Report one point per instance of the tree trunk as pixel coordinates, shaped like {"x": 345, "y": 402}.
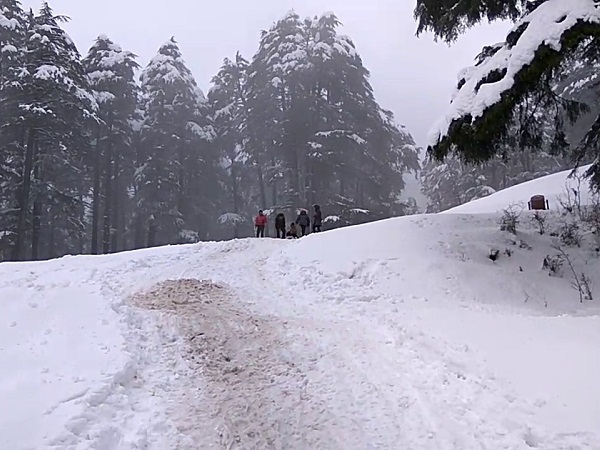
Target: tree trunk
{"x": 37, "y": 217}
{"x": 138, "y": 240}
{"x": 261, "y": 185}
{"x": 151, "y": 233}
{"x": 107, "y": 199}
{"x": 23, "y": 198}
{"x": 234, "y": 182}
{"x": 273, "y": 183}
{"x": 52, "y": 241}
{"x": 115, "y": 231}
{"x": 81, "y": 237}
{"x": 181, "y": 194}
{"x": 96, "y": 199}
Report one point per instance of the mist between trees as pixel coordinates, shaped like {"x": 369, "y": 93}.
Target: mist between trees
{"x": 94, "y": 159}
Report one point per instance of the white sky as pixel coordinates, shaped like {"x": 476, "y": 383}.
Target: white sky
{"x": 414, "y": 77}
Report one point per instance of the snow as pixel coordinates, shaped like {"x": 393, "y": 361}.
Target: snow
{"x": 48, "y": 72}
{"x": 9, "y": 49}
{"x": 230, "y": 219}
{"x": 332, "y": 219}
{"x": 395, "y": 334}
{"x": 9, "y": 24}
{"x": 544, "y": 26}
{"x": 554, "y": 187}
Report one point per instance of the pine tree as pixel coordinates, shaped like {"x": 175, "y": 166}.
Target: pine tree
{"x": 177, "y": 177}
{"x": 111, "y": 73}
{"x": 319, "y": 129}
{"x": 228, "y": 104}
{"x": 276, "y": 119}
{"x": 13, "y": 28}
{"x": 509, "y": 77}
{"x": 58, "y": 105}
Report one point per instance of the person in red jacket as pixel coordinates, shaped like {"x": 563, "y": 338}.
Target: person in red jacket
{"x": 260, "y": 223}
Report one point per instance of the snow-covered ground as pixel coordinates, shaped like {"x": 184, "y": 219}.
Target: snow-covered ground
{"x": 400, "y": 334}
{"x": 556, "y": 188}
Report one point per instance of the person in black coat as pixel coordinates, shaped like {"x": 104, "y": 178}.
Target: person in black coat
{"x": 317, "y": 219}
{"x": 303, "y": 221}
{"x": 293, "y": 232}
{"x": 280, "y": 225}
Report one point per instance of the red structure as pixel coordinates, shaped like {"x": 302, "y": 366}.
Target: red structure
{"x": 538, "y": 202}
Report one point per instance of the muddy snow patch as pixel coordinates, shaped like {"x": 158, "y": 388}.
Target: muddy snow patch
{"x": 235, "y": 385}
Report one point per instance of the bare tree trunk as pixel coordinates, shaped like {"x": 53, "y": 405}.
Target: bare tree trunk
{"x": 234, "y": 182}
{"x": 107, "y": 199}
{"x": 96, "y": 199}
{"x": 151, "y": 233}
{"x": 37, "y": 217}
{"x": 138, "y": 240}
{"x": 115, "y": 231}
{"x": 52, "y": 241}
{"x": 23, "y": 198}
{"x": 261, "y": 182}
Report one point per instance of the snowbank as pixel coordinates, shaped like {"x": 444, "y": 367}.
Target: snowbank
{"x": 61, "y": 347}
{"x": 553, "y": 187}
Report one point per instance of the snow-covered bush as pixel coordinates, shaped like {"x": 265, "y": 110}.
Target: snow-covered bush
{"x": 510, "y": 219}
{"x": 230, "y": 219}
{"x": 584, "y": 286}
{"x": 570, "y": 234}
{"x": 591, "y": 214}
{"x": 188, "y": 237}
{"x": 580, "y": 282}
{"x": 553, "y": 264}
{"x": 540, "y": 219}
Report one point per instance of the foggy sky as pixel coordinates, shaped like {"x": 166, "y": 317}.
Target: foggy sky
{"x": 413, "y": 77}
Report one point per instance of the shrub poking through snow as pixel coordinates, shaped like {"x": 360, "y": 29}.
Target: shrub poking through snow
{"x": 524, "y": 245}
{"x": 553, "y": 264}
{"x": 494, "y": 253}
{"x": 541, "y": 221}
{"x": 570, "y": 200}
{"x": 591, "y": 214}
{"x": 510, "y": 219}
{"x": 585, "y": 287}
{"x": 581, "y": 283}
{"x": 569, "y": 234}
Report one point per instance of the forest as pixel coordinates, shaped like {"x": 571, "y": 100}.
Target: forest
{"x": 99, "y": 155}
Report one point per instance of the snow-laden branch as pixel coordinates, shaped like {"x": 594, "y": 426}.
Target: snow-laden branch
{"x": 483, "y": 85}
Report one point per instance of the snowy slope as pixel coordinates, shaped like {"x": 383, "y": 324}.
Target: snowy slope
{"x": 396, "y": 334}
{"x": 553, "y": 187}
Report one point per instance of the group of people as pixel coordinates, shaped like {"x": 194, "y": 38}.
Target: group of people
{"x": 302, "y": 221}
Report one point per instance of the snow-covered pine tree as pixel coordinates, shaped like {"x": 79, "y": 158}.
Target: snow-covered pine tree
{"x": 55, "y": 112}
{"x": 354, "y": 139}
{"x": 111, "y": 72}
{"x": 13, "y": 27}
{"x": 176, "y": 181}
{"x": 490, "y": 95}
{"x": 318, "y": 127}
{"x": 227, "y": 100}
{"x": 276, "y": 118}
